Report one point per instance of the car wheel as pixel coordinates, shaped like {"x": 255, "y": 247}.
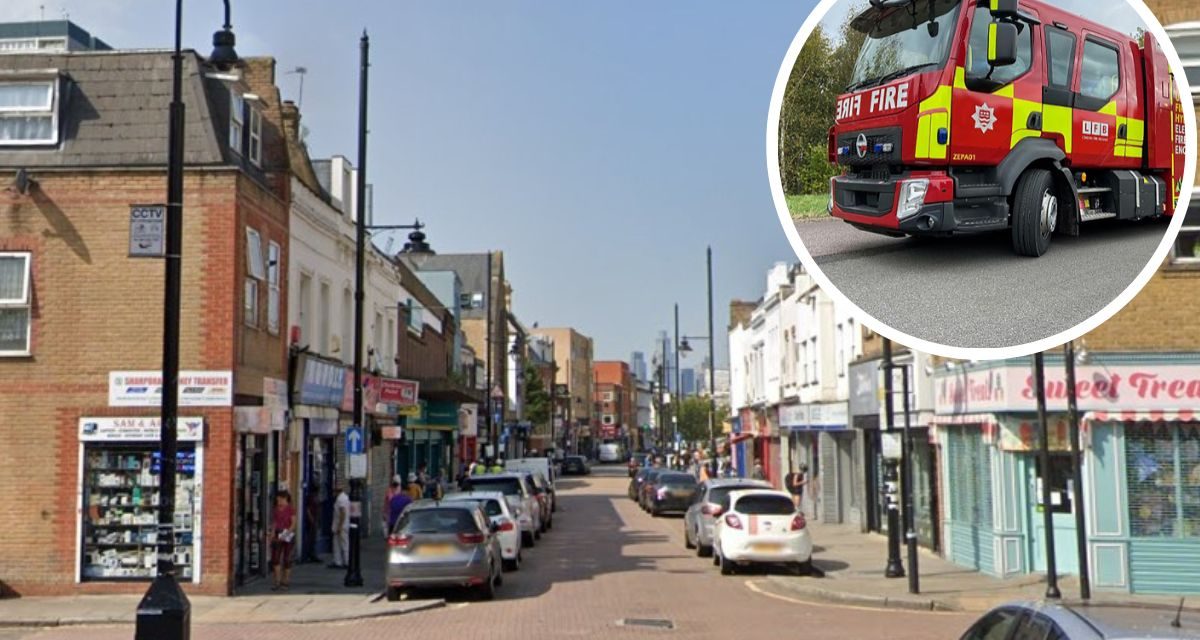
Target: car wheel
{"x": 499, "y": 579}
{"x": 550, "y": 522}
{"x": 687, "y": 537}
{"x": 653, "y": 512}
{"x": 802, "y": 568}
{"x": 487, "y": 590}
{"x": 394, "y": 594}
{"x": 726, "y": 566}
{"x": 527, "y": 539}
{"x": 511, "y": 564}
{"x": 703, "y": 551}
{"x": 537, "y": 535}
{"x": 716, "y": 557}
{"x": 1035, "y": 213}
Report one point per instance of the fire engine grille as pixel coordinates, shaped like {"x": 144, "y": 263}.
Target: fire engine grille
{"x": 877, "y": 140}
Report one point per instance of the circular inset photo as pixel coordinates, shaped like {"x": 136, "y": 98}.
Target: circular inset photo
{"x": 982, "y": 179}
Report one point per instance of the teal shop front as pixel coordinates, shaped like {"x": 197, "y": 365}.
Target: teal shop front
{"x": 429, "y": 439}
{"x": 1141, "y": 470}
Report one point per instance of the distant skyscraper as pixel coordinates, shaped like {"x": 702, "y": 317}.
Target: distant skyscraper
{"x": 664, "y": 342}
{"x": 687, "y": 378}
{"x": 637, "y": 365}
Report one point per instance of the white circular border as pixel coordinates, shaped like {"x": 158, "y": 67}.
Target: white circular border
{"x": 989, "y": 353}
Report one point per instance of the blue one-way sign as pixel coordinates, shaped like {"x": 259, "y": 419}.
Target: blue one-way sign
{"x": 354, "y": 439}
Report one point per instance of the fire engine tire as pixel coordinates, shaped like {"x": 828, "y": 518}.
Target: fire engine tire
{"x": 1035, "y": 212}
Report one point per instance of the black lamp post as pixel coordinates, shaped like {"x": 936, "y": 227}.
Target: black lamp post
{"x": 164, "y": 613}
{"x": 1085, "y": 586}
{"x": 1039, "y": 380}
{"x": 684, "y": 347}
{"x": 891, "y": 471}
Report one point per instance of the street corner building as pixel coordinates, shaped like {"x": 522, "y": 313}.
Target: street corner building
{"x": 83, "y": 167}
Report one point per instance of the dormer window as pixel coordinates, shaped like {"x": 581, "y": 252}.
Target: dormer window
{"x": 255, "y": 149}
{"x": 237, "y": 122}
{"x": 28, "y": 113}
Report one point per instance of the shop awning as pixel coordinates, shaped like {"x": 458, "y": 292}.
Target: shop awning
{"x": 450, "y": 391}
{"x": 1182, "y": 415}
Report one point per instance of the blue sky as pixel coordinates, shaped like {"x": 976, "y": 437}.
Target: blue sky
{"x": 600, "y": 145}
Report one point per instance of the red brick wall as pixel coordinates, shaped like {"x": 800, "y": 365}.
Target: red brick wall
{"x": 97, "y": 310}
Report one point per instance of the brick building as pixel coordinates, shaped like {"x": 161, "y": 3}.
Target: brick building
{"x": 573, "y": 376}
{"x": 80, "y": 343}
{"x": 615, "y": 398}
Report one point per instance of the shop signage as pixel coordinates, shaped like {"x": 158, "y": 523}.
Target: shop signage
{"x": 251, "y": 420}
{"x": 468, "y": 423}
{"x": 321, "y": 382}
{"x": 137, "y": 429}
{"x": 392, "y": 433}
{"x": 816, "y": 417}
{"x": 864, "y": 388}
{"x": 1023, "y": 433}
{"x": 411, "y": 411}
{"x": 398, "y": 392}
{"x": 1098, "y": 388}
{"x": 144, "y": 388}
{"x": 322, "y": 427}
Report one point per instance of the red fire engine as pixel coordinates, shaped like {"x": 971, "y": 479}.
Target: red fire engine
{"x": 968, "y": 115}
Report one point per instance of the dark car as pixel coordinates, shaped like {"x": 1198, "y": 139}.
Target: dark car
{"x": 575, "y": 466}
{"x": 647, "y": 486}
{"x": 1053, "y": 621}
{"x": 671, "y": 491}
{"x": 637, "y": 461}
{"x": 636, "y": 482}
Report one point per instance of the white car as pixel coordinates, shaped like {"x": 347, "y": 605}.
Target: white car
{"x": 499, "y": 513}
{"x": 761, "y": 526}
{"x": 610, "y": 452}
{"x": 520, "y": 498}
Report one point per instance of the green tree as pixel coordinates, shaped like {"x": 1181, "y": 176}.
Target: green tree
{"x": 693, "y": 419}
{"x": 537, "y": 398}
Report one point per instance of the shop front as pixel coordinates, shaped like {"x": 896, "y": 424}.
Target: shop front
{"x": 1141, "y": 470}
{"x": 864, "y": 415}
{"x": 429, "y": 440}
{"x": 119, "y": 479}
{"x": 317, "y": 388}
{"x": 820, "y": 438}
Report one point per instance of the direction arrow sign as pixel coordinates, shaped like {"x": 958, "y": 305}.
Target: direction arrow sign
{"x": 497, "y": 392}
{"x": 354, "y": 440}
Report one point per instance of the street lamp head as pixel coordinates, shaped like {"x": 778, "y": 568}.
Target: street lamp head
{"x": 224, "y": 57}
{"x": 684, "y": 347}
{"x": 416, "y": 243}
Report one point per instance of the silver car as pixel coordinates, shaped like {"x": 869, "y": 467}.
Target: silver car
{"x": 1053, "y": 621}
{"x": 444, "y": 544}
{"x": 710, "y": 498}
{"x": 519, "y": 493}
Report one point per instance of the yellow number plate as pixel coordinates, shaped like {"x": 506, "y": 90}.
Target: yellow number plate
{"x": 434, "y": 550}
{"x": 766, "y": 546}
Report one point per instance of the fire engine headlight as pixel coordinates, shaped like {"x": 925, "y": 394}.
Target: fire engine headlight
{"x": 912, "y": 197}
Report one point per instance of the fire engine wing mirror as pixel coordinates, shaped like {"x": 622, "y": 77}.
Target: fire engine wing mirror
{"x": 1003, "y": 9}
{"x": 1002, "y": 44}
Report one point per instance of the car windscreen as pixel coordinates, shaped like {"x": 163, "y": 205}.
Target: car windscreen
{"x": 507, "y": 486}
{"x": 436, "y": 521}
{"x": 490, "y": 506}
{"x": 677, "y": 480}
{"x": 765, "y": 505}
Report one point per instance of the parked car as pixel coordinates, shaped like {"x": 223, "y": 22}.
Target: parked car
{"x": 648, "y": 487}
{"x": 671, "y": 491}
{"x": 444, "y": 544}
{"x": 545, "y": 465}
{"x": 1054, "y": 621}
{"x": 761, "y": 526}
{"x": 710, "y": 500}
{"x": 637, "y": 461}
{"x": 508, "y": 530}
{"x": 521, "y": 498}
{"x": 640, "y": 482}
{"x": 635, "y": 482}
{"x": 544, "y": 492}
{"x": 575, "y": 466}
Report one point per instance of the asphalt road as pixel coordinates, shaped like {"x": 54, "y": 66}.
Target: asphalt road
{"x": 973, "y": 291}
{"x": 604, "y": 561}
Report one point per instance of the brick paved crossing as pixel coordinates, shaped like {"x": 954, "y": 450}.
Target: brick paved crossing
{"x": 604, "y": 561}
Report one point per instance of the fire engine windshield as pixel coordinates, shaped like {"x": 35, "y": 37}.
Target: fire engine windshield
{"x": 903, "y": 39}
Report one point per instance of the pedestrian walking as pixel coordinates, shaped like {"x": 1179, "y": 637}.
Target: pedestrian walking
{"x": 794, "y": 483}
{"x": 283, "y": 520}
{"x": 394, "y": 487}
{"x": 759, "y": 473}
{"x": 396, "y": 504}
{"x": 341, "y": 529}
{"x": 312, "y": 515}
{"x": 414, "y": 489}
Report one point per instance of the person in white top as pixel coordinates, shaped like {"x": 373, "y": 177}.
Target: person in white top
{"x": 341, "y": 529}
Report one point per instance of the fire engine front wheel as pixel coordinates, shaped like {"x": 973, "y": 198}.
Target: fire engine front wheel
{"x": 1035, "y": 213}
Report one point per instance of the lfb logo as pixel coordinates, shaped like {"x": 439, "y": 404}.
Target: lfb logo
{"x": 985, "y": 118}
{"x": 1098, "y": 129}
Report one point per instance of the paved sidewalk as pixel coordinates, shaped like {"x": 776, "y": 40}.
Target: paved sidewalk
{"x": 317, "y": 594}
{"x": 853, "y": 563}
